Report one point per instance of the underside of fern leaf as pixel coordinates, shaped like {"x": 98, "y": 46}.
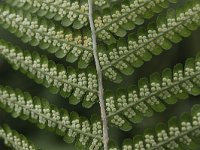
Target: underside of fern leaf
{"x": 118, "y": 58}
{"x": 153, "y": 94}
{"x": 15, "y": 140}
{"x": 97, "y": 43}
{"x": 69, "y": 82}
{"x": 39, "y": 111}
{"x": 124, "y": 56}
{"x": 67, "y": 43}
{"x": 122, "y": 16}
{"x": 69, "y": 13}
{"x": 180, "y": 133}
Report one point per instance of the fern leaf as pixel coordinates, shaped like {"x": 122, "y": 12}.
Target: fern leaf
{"x": 117, "y": 20}
{"x": 73, "y": 13}
{"x": 39, "y": 111}
{"x": 15, "y": 140}
{"x": 71, "y": 44}
{"x": 70, "y": 83}
{"x": 123, "y": 16}
{"x": 124, "y": 57}
{"x": 182, "y": 133}
{"x": 152, "y": 94}
{"x": 70, "y": 13}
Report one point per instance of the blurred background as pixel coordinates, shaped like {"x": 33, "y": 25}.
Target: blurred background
{"x": 50, "y": 141}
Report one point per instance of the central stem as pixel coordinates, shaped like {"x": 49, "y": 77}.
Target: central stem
{"x": 100, "y": 80}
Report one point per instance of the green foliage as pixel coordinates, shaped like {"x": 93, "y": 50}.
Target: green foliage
{"x": 73, "y": 13}
{"x": 152, "y": 40}
{"x": 61, "y": 27}
{"x": 153, "y": 94}
{"x": 69, "y": 82}
{"x": 179, "y": 133}
{"x": 72, "y": 44}
{"x": 15, "y": 140}
{"x": 122, "y": 57}
{"x": 123, "y": 16}
{"x": 69, "y": 125}
{"x": 69, "y": 13}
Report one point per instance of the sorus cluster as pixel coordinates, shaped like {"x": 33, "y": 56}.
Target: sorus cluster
{"x": 59, "y": 9}
{"x": 140, "y": 49}
{"x": 117, "y": 21}
{"x": 14, "y": 139}
{"x": 81, "y": 85}
{"x": 45, "y": 34}
{"x": 148, "y": 96}
{"x": 178, "y": 135}
{"x": 46, "y": 115}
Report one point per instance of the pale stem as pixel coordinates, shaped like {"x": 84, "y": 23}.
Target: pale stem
{"x": 100, "y": 81}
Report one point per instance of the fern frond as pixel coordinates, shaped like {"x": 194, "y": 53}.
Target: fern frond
{"x": 73, "y": 13}
{"x": 183, "y": 133}
{"x": 117, "y": 20}
{"x": 15, "y": 140}
{"x": 39, "y": 111}
{"x": 70, "y": 13}
{"x": 124, "y": 57}
{"x": 72, "y": 44}
{"x": 70, "y": 83}
{"x": 133, "y": 104}
{"x": 123, "y": 16}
